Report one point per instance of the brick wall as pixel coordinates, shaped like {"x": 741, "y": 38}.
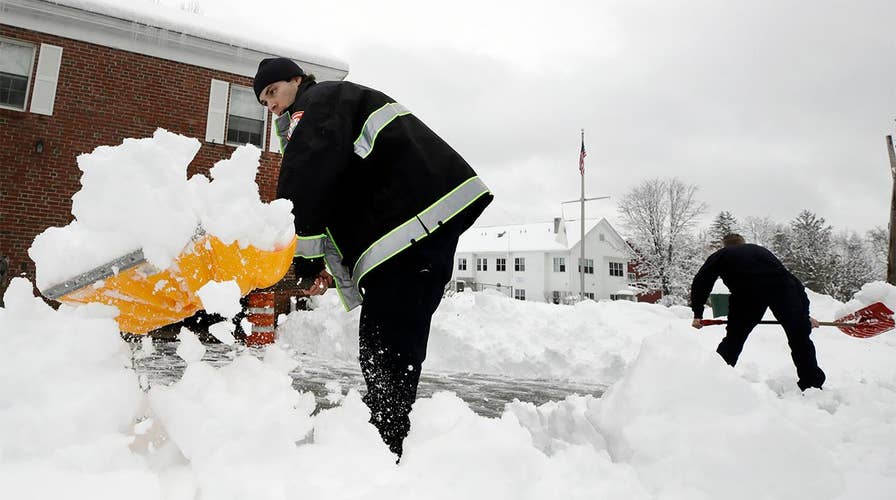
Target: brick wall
{"x": 103, "y": 96}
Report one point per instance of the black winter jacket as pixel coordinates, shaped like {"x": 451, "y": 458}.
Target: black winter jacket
{"x": 745, "y": 269}
{"x": 355, "y": 193}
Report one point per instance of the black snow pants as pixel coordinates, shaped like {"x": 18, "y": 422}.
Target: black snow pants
{"x": 789, "y": 304}
{"x": 400, "y": 297}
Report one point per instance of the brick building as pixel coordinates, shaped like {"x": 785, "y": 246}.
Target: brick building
{"x": 76, "y": 74}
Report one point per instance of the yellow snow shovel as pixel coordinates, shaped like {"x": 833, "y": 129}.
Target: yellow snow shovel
{"x": 149, "y": 298}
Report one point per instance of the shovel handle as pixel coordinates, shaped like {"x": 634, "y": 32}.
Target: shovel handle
{"x": 867, "y": 322}
{"x": 709, "y": 322}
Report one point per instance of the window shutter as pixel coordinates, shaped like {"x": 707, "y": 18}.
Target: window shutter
{"x": 44, "y": 95}
{"x": 274, "y": 143}
{"x": 217, "y": 112}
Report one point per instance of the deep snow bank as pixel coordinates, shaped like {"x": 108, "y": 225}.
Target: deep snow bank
{"x": 676, "y": 423}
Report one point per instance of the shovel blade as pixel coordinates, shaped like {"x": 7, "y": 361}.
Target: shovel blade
{"x": 868, "y": 321}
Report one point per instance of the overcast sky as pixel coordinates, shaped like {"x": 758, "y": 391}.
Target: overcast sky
{"x": 769, "y": 106}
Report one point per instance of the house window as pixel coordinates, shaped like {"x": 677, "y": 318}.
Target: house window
{"x": 616, "y": 269}
{"x": 559, "y": 264}
{"x": 461, "y": 264}
{"x": 245, "y": 118}
{"x": 519, "y": 264}
{"x": 589, "y": 295}
{"x": 589, "y": 266}
{"x": 482, "y": 264}
{"x": 602, "y": 237}
{"x": 632, "y": 277}
{"x": 555, "y": 297}
{"x": 15, "y": 72}
{"x": 500, "y": 264}
{"x": 519, "y": 294}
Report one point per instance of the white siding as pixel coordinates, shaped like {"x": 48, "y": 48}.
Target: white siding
{"x": 539, "y": 279}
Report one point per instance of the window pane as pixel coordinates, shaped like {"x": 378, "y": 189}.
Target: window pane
{"x": 15, "y": 59}
{"x": 244, "y": 130}
{"x": 243, "y": 103}
{"x": 12, "y": 90}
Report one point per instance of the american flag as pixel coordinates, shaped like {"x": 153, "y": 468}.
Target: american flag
{"x": 582, "y": 155}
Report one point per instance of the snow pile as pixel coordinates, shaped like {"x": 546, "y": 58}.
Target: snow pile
{"x": 137, "y": 196}
{"x": 870, "y": 293}
{"x": 675, "y": 423}
{"x": 652, "y": 421}
{"x": 221, "y": 297}
{"x": 67, "y": 402}
{"x": 234, "y": 423}
{"x": 591, "y": 341}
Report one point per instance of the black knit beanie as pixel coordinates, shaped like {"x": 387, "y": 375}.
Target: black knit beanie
{"x": 274, "y": 69}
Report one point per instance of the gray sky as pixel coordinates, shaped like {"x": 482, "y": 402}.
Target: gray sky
{"x": 770, "y": 106}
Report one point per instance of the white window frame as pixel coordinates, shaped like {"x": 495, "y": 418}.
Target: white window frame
{"x": 519, "y": 294}
{"x": 619, "y": 271}
{"x": 501, "y": 264}
{"x": 33, "y": 47}
{"x": 482, "y": 264}
{"x": 589, "y": 266}
{"x": 559, "y": 264}
{"x": 461, "y": 264}
{"x": 265, "y": 124}
{"x": 519, "y": 265}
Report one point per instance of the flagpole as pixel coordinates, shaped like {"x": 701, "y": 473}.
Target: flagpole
{"x": 582, "y": 227}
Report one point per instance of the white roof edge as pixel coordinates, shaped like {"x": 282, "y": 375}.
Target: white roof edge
{"x": 140, "y": 32}
{"x": 616, "y": 233}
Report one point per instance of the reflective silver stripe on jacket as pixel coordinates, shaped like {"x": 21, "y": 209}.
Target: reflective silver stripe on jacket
{"x": 419, "y": 227}
{"x": 376, "y": 122}
{"x": 346, "y": 289}
{"x": 310, "y": 247}
{"x": 282, "y": 127}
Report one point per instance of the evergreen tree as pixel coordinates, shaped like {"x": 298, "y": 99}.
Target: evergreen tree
{"x": 807, "y": 250}
{"x": 723, "y": 225}
{"x": 761, "y": 231}
{"x": 854, "y": 266}
{"x": 878, "y": 240}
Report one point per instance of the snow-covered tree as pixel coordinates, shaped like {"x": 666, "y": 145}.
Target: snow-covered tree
{"x": 761, "y": 230}
{"x": 191, "y": 6}
{"x": 660, "y": 215}
{"x": 878, "y": 248}
{"x": 807, "y": 250}
{"x": 723, "y": 225}
{"x": 854, "y": 266}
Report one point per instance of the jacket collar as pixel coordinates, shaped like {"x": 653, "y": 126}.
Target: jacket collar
{"x": 302, "y": 88}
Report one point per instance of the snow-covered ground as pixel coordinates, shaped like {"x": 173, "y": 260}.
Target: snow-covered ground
{"x": 675, "y": 422}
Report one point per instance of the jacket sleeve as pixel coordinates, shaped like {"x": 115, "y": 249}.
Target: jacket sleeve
{"x": 315, "y": 159}
{"x": 703, "y": 282}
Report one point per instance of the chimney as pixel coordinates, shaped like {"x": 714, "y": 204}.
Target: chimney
{"x": 556, "y": 224}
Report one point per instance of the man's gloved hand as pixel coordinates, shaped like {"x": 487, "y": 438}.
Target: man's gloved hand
{"x": 306, "y": 269}
{"x": 696, "y": 323}
{"x": 321, "y": 283}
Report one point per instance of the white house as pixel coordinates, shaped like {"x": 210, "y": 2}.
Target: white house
{"x": 539, "y": 262}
